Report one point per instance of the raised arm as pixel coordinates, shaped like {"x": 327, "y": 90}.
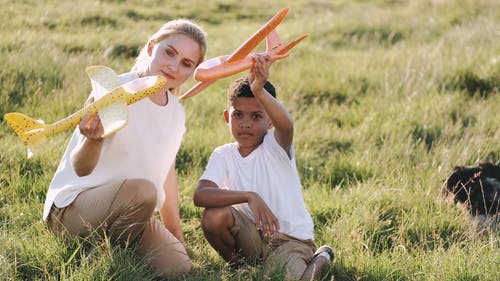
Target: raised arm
{"x": 279, "y": 115}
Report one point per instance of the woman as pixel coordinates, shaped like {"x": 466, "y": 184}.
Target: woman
{"x": 114, "y": 185}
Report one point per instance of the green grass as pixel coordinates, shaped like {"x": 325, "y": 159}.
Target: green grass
{"x": 387, "y": 96}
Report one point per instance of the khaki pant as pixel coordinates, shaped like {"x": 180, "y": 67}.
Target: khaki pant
{"x": 281, "y": 251}
{"x": 124, "y": 212}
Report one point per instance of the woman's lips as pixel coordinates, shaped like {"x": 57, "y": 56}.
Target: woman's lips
{"x": 168, "y": 75}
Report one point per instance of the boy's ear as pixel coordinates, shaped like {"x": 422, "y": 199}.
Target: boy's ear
{"x": 226, "y": 116}
{"x": 151, "y": 45}
{"x": 270, "y": 125}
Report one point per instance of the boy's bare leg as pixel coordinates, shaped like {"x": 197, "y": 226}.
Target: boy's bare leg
{"x": 216, "y": 224}
{"x": 315, "y": 268}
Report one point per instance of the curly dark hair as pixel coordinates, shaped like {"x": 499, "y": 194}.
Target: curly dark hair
{"x": 241, "y": 88}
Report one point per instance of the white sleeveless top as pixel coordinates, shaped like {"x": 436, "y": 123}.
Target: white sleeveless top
{"x": 145, "y": 148}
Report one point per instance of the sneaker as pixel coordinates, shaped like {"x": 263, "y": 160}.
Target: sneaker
{"x": 325, "y": 249}
{"x": 235, "y": 265}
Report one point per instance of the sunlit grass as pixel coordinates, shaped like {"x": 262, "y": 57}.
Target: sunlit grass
{"x": 387, "y": 97}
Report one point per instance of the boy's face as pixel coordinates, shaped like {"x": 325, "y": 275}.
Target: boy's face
{"x": 248, "y": 123}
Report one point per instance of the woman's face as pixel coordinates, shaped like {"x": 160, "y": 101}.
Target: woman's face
{"x": 174, "y": 57}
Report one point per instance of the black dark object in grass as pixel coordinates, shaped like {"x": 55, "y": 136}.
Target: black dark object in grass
{"x": 477, "y": 187}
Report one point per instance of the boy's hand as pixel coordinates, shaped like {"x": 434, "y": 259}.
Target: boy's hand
{"x": 259, "y": 72}
{"x": 265, "y": 220}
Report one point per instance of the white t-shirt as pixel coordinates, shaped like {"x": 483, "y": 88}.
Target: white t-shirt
{"x": 269, "y": 172}
{"x": 145, "y": 148}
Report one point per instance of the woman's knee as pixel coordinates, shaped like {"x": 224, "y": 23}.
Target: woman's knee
{"x": 163, "y": 251}
{"x": 133, "y": 205}
{"x": 171, "y": 263}
{"x": 140, "y": 191}
{"x": 180, "y": 268}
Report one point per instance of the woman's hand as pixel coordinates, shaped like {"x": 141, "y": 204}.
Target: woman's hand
{"x": 91, "y": 125}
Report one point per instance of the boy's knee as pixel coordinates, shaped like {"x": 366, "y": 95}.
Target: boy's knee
{"x": 214, "y": 219}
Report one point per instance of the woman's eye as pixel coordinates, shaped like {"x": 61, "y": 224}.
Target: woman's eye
{"x": 188, "y": 64}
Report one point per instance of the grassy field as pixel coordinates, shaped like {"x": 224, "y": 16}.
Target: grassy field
{"x": 387, "y": 95}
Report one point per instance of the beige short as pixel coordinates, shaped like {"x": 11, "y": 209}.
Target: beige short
{"x": 116, "y": 208}
{"x": 280, "y": 251}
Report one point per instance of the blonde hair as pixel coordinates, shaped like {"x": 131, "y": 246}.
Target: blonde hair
{"x": 178, "y": 26}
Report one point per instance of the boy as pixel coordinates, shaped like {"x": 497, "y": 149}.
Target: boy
{"x": 251, "y": 191}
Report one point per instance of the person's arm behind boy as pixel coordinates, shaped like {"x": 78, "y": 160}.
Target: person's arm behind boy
{"x": 169, "y": 212}
{"x": 279, "y": 115}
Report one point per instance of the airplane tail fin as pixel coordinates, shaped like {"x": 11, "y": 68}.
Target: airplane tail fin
{"x": 292, "y": 44}
{"x": 273, "y": 42}
{"x": 31, "y": 131}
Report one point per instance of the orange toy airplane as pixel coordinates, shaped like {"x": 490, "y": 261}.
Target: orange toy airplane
{"x": 220, "y": 67}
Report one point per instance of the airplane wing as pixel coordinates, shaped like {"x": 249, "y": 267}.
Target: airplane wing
{"x": 257, "y": 37}
{"x": 104, "y": 80}
{"x": 200, "y": 86}
{"x": 223, "y": 66}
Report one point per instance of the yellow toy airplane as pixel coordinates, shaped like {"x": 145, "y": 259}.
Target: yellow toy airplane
{"x": 111, "y": 104}
{"x": 220, "y": 67}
